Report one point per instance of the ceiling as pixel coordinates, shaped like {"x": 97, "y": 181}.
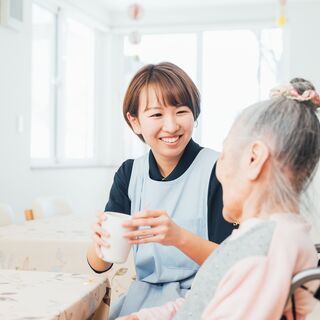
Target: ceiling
{"x": 120, "y": 5}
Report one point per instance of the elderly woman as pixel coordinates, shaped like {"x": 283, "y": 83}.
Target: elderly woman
{"x": 268, "y": 160}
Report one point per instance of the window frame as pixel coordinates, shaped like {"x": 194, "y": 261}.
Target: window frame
{"x": 101, "y": 33}
{"x": 255, "y": 27}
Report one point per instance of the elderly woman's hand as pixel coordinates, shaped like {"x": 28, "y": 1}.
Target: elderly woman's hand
{"x": 129, "y": 317}
{"x": 160, "y": 228}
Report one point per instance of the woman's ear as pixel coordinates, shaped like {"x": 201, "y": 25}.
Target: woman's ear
{"x": 134, "y": 121}
{"x": 259, "y": 154}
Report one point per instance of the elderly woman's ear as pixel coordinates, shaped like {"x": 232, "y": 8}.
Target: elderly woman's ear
{"x": 258, "y": 155}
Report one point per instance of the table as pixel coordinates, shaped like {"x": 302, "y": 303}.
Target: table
{"x": 52, "y": 296}
{"x": 57, "y": 244}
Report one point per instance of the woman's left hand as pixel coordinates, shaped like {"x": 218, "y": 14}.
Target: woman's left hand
{"x": 161, "y": 228}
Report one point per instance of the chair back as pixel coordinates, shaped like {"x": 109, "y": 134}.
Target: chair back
{"x": 45, "y": 207}
{"x": 6, "y": 214}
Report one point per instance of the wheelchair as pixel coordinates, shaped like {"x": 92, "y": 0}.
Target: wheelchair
{"x": 299, "y": 280}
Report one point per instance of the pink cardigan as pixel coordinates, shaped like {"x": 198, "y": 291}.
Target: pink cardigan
{"x": 257, "y": 287}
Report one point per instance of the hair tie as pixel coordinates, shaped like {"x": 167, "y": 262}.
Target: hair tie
{"x": 290, "y": 92}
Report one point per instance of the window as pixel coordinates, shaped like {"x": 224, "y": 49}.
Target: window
{"x": 232, "y": 69}
{"x": 180, "y": 49}
{"x": 43, "y": 94}
{"x": 79, "y": 105}
{"x": 239, "y": 68}
{"x": 64, "y": 104}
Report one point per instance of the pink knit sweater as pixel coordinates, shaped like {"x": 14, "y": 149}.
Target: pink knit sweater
{"x": 256, "y": 287}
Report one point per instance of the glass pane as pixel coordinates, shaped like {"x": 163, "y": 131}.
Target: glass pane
{"x": 230, "y": 81}
{"x": 79, "y": 103}
{"x": 271, "y": 51}
{"x": 43, "y": 48}
{"x": 180, "y": 49}
{"x": 239, "y": 68}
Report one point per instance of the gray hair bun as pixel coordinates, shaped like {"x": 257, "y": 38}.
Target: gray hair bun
{"x": 301, "y": 86}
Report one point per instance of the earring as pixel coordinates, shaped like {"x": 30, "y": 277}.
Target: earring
{"x": 236, "y": 222}
{"x": 195, "y": 125}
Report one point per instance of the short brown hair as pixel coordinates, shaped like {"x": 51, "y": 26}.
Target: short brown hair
{"x": 173, "y": 86}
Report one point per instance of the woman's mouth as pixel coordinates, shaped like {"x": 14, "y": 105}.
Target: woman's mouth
{"x": 170, "y": 139}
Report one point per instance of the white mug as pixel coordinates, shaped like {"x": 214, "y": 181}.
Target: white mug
{"x": 119, "y": 247}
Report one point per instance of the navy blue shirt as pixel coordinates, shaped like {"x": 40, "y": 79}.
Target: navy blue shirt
{"x": 218, "y": 228}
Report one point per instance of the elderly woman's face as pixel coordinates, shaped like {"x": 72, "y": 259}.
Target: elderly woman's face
{"x": 230, "y": 173}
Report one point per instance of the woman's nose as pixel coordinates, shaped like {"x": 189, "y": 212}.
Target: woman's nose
{"x": 170, "y": 124}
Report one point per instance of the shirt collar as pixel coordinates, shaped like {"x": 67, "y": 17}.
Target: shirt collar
{"x": 190, "y": 152}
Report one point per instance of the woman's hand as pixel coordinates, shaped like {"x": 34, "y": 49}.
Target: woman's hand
{"x": 98, "y": 233}
{"x": 161, "y": 228}
{"x": 129, "y": 317}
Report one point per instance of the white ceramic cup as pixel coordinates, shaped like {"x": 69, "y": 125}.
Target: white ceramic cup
{"x": 119, "y": 247}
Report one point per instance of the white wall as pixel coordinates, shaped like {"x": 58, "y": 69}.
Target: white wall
{"x": 196, "y": 17}
{"x": 302, "y": 42}
{"x": 88, "y": 188}
{"x": 301, "y": 48}
{"x": 301, "y": 58}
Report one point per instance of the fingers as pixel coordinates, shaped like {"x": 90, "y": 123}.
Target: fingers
{"x": 99, "y": 241}
{"x": 97, "y": 250}
{"x": 146, "y": 235}
{"x": 97, "y": 229}
{"x": 141, "y": 233}
{"x": 97, "y": 226}
{"x": 149, "y": 214}
{"x": 101, "y": 216}
{"x": 147, "y": 218}
{"x": 130, "y": 317}
{"x": 99, "y": 234}
{"x": 135, "y": 223}
{"x": 148, "y": 239}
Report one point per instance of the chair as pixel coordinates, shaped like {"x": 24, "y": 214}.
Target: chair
{"x": 300, "y": 279}
{"x": 45, "y": 207}
{"x": 6, "y": 214}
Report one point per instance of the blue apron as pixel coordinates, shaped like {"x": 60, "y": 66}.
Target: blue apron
{"x": 164, "y": 273}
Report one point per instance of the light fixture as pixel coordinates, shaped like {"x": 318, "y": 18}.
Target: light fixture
{"x": 281, "y": 21}
{"x": 135, "y": 13}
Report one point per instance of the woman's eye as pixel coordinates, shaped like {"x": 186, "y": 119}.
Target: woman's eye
{"x": 182, "y": 111}
{"x": 156, "y": 115}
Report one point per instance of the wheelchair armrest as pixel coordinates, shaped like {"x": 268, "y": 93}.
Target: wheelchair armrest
{"x": 302, "y": 277}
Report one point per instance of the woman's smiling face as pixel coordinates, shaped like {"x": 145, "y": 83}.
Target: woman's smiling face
{"x": 166, "y": 129}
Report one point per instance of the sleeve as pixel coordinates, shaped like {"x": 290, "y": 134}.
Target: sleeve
{"x": 257, "y": 286}
{"x": 118, "y": 198}
{"x": 164, "y": 312}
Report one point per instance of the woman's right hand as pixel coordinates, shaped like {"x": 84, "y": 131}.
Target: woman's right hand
{"x": 99, "y": 235}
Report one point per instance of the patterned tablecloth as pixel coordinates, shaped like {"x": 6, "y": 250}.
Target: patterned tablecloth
{"x": 38, "y": 295}
{"x": 57, "y": 244}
